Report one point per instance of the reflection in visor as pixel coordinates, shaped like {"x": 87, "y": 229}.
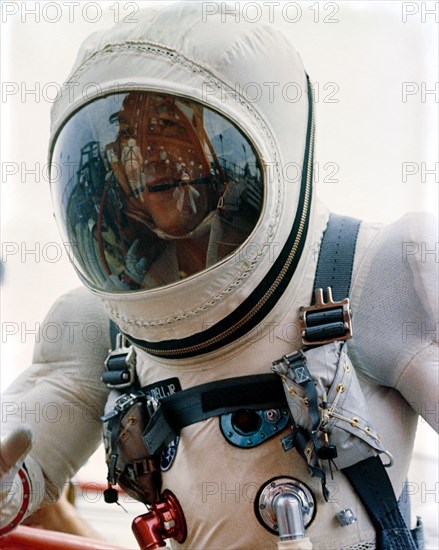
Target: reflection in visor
{"x": 157, "y": 188}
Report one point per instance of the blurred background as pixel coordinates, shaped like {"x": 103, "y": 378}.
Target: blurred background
{"x": 374, "y": 66}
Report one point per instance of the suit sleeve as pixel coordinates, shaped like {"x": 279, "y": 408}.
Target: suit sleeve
{"x": 61, "y": 395}
{"x": 395, "y": 309}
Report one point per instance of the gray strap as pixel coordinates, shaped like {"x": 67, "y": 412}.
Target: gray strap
{"x": 336, "y": 257}
{"x": 114, "y": 331}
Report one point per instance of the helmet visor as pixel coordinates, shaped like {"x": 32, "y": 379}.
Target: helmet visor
{"x": 151, "y": 188}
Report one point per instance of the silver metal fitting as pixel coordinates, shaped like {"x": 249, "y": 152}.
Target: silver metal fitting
{"x": 346, "y": 517}
{"x": 286, "y": 506}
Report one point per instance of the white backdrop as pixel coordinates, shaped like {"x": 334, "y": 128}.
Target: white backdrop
{"x": 375, "y": 69}
{"x": 362, "y": 57}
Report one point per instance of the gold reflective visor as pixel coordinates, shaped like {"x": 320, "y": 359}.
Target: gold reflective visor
{"x": 151, "y": 188}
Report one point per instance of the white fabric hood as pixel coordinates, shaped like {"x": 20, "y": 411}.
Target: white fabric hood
{"x": 249, "y": 73}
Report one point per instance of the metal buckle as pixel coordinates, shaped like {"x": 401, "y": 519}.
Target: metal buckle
{"x": 321, "y": 305}
{"x": 127, "y": 400}
{"x": 123, "y": 349}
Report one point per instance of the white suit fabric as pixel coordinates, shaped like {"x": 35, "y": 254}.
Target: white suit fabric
{"x": 393, "y": 296}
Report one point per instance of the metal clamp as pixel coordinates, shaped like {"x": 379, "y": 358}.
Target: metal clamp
{"x": 125, "y": 401}
{"x": 325, "y": 322}
{"x": 120, "y": 364}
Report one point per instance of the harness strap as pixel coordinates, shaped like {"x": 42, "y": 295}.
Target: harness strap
{"x": 370, "y": 480}
{"x": 114, "y": 331}
{"x": 199, "y": 403}
{"x": 336, "y": 257}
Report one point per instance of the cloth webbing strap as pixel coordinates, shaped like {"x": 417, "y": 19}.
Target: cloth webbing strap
{"x": 336, "y": 257}
{"x": 372, "y": 484}
{"x": 264, "y": 391}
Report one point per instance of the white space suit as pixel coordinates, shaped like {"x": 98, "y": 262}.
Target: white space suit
{"x": 175, "y": 51}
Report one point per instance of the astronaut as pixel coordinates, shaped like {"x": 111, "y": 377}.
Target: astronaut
{"x": 205, "y": 276}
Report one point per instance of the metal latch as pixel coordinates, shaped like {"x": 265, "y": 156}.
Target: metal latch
{"x": 325, "y": 322}
{"x": 120, "y": 364}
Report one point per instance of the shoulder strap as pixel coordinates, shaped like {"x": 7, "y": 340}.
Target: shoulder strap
{"x": 114, "y": 331}
{"x": 336, "y": 256}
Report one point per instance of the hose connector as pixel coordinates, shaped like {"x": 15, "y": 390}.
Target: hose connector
{"x": 165, "y": 520}
{"x": 285, "y": 506}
